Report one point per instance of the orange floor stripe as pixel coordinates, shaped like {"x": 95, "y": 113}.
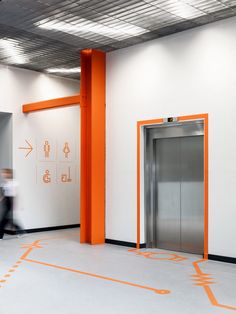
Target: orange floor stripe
{"x": 99, "y": 276}
{"x": 205, "y": 284}
{"x": 202, "y": 279}
{"x": 8, "y": 275}
{"x": 154, "y": 255}
{"x": 30, "y": 248}
{"x": 36, "y": 245}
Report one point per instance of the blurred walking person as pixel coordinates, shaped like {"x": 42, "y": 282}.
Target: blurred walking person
{"x": 8, "y": 186}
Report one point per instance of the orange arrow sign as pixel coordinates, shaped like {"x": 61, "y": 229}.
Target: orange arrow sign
{"x": 30, "y": 148}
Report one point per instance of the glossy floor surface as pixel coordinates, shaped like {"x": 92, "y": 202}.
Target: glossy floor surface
{"x": 52, "y": 273}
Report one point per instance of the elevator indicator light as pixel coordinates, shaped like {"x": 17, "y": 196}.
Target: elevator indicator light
{"x": 170, "y": 119}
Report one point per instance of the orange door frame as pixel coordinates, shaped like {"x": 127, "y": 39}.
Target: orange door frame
{"x": 141, "y": 124}
{"x": 92, "y": 169}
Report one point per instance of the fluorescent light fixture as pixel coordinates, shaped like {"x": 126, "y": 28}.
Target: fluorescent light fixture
{"x": 12, "y": 50}
{"x": 86, "y": 28}
{"x": 63, "y": 70}
{"x": 181, "y": 9}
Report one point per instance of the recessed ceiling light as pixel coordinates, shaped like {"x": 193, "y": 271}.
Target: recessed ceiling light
{"x": 86, "y": 28}
{"x": 12, "y": 50}
{"x": 63, "y": 70}
{"x": 181, "y": 9}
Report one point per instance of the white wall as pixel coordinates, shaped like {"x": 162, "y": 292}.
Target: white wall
{"x": 43, "y": 204}
{"x": 5, "y": 140}
{"x": 187, "y": 73}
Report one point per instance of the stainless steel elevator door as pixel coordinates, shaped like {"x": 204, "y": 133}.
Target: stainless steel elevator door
{"x": 178, "y": 193}
{"x": 167, "y": 196}
{"x": 192, "y": 194}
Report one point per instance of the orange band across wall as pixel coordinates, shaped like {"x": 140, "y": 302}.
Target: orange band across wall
{"x": 140, "y": 124}
{"x": 52, "y": 103}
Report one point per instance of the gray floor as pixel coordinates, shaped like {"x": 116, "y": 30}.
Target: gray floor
{"x": 53, "y": 274}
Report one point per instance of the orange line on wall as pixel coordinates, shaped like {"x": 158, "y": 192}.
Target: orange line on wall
{"x": 138, "y": 187}
{"x": 193, "y": 117}
{"x": 206, "y": 187}
{"x": 149, "y": 122}
{"x": 52, "y": 103}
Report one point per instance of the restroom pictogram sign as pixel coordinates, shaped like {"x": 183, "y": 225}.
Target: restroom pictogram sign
{"x": 47, "y": 176}
{"x": 66, "y": 149}
{"x": 66, "y": 177}
{"x": 46, "y": 149}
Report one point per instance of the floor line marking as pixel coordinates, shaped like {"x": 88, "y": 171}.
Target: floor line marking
{"x": 36, "y": 245}
{"x": 150, "y": 254}
{"x": 9, "y": 273}
{"x": 158, "y": 291}
{"x": 202, "y": 279}
{"x": 30, "y": 247}
{"x": 204, "y": 282}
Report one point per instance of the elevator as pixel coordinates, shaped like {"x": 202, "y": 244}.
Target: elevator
{"x": 174, "y": 186}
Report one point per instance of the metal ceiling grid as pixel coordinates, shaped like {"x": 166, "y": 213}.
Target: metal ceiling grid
{"x": 43, "y": 34}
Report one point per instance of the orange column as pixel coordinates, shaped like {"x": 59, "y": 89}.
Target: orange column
{"x": 92, "y": 101}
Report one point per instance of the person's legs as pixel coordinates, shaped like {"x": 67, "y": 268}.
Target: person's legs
{"x": 2, "y": 223}
{"x": 19, "y": 230}
{"x": 15, "y": 225}
{"x": 5, "y": 218}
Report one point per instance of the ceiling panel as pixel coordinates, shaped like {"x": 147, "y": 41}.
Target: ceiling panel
{"x": 45, "y": 34}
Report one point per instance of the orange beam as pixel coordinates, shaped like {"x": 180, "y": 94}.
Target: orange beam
{"x": 52, "y": 103}
{"x": 92, "y": 204}
{"x": 85, "y": 173}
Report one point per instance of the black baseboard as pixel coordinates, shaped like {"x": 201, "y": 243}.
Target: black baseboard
{"x": 124, "y": 243}
{"x": 45, "y": 229}
{"x": 220, "y": 258}
{"x": 10, "y": 232}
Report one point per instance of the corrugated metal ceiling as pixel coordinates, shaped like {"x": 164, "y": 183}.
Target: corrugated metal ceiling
{"x": 45, "y": 34}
